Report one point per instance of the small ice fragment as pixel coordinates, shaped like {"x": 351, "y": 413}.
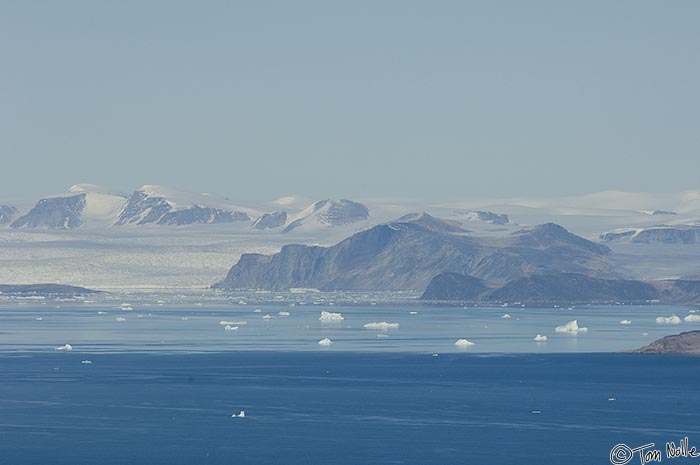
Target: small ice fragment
{"x": 645, "y": 334}
{"x": 692, "y": 318}
{"x": 232, "y": 323}
{"x": 612, "y": 399}
{"x": 38, "y": 318}
{"x": 240, "y": 414}
{"x": 625, "y": 322}
{"x": 668, "y": 320}
{"x": 505, "y": 316}
{"x": 268, "y": 317}
{"x": 230, "y": 328}
{"x": 102, "y": 313}
{"x": 66, "y": 347}
{"x": 283, "y": 313}
{"x": 329, "y": 317}
{"x": 536, "y": 412}
{"x": 435, "y": 355}
{"x": 119, "y": 318}
{"x": 325, "y": 342}
{"x": 540, "y": 338}
{"x": 381, "y": 325}
{"x": 257, "y": 310}
{"x": 413, "y": 313}
{"x": 184, "y": 318}
{"x": 571, "y": 327}
{"x": 86, "y": 362}
{"x": 463, "y": 343}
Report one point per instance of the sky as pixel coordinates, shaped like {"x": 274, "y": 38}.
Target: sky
{"x": 419, "y": 99}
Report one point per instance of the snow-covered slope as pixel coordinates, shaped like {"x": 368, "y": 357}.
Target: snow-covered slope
{"x": 82, "y": 204}
{"x": 153, "y": 204}
{"x": 7, "y": 213}
{"x": 678, "y": 234}
{"x": 325, "y": 214}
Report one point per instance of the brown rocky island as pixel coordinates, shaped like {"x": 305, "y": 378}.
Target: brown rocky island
{"x": 687, "y": 343}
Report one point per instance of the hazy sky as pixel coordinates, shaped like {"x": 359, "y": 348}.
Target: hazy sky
{"x": 427, "y": 99}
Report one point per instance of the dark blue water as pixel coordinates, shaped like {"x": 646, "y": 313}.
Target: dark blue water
{"x": 341, "y": 408}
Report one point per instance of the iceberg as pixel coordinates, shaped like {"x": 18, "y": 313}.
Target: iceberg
{"x": 625, "y": 322}
{"x": 506, "y": 316}
{"x": 571, "y": 327}
{"x": 119, "y": 318}
{"x": 240, "y": 414}
{"x": 463, "y": 343}
{"x": 86, "y": 362}
{"x": 329, "y": 317}
{"x": 540, "y": 338}
{"x": 325, "y": 342}
{"x": 692, "y": 318}
{"x": 381, "y": 325}
{"x": 283, "y": 313}
{"x": 268, "y": 317}
{"x": 668, "y": 320}
{"x": 232, "y": 323}
{"x": 230, "y": 328}
{"x": 66, "y": 347}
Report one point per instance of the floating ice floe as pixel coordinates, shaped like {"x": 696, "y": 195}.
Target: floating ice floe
{"x": 283, "y": 313}
{"x": 381, "y": 325}
{"x": 230, "y": 328}
{"x": 668, "y": 320}
{"x": 692, "y": 318}
{"x": 119, "y": 318}
{"x": 268, "y": 317}
{"x": 126, "y": 307}
{"x": 102, "y": 313}
{"x": 463, "y": 343}
{"x": 86, "y": 362}
{"x": 66, "y": 347}
{"x": 328, "y": 317}
{"x": 506, "y": 316}
{"x": 257, "y": 310}
{"x": 232, "y": 323}
{"x": 325, "y": 342}
{"x": 38, "y": 318}
{"x": 184, "y": 318}
{"x": 240, "y": 414}
{"x": 413, "y": 313}
{"x": 625, "y": 322}
{"x": 571, "y": 327}
{"x": 540, "y": 338}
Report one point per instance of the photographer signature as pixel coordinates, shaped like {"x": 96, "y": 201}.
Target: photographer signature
{"x": 622, "y": 454}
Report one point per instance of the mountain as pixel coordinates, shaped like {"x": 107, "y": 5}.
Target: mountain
{"x": 271, "y": 220}
{"x": 327, "y": 213}
{"x": 409, "y": 252}
{"x": 563, "y": 287}
{"x": 158, "y": 205}
{"x": 681, "y": 234}
{"x": 7, "y": 212}
{"x": 687, "y": 343}
{"x": 484, "y": 216}
{"x": 83, "y": 203}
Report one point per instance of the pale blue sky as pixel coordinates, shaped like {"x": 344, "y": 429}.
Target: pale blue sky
{"x": 433, "y": 100}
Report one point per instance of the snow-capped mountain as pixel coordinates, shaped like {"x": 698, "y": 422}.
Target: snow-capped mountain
{"x": 159, "y": 205}
{"x": 271, "y": 220}
{"x": 7, "y": 213}
{"x": 82, "y": 204}
{"x": 483, "y": 216}
{"x": 327, "y": 213}
{"x": 677, "y": 234}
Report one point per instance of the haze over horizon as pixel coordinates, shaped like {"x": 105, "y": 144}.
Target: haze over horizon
{"x": 390, "y": 99}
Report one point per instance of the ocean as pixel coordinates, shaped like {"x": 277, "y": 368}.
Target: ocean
{"x": 163, "y": 388}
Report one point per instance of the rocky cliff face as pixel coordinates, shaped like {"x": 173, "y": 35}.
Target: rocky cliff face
{"x": 271, "y": 220}
{"x": 683, "y": 234}
{"x": 54, "y": 213}
{"x": 408, "y": 253}
{"x": 7, "y": 213}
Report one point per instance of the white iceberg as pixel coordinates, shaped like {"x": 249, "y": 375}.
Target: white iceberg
{"x": 283, "y": 313}
{"x": 257, "y": 310}
{"x": 571, "y": 327}
{"x": 413, "y": 313}
{"x": 506, "y": 316}
{"x": 66, "y": 347}
{"x": 692, "y": 318}
{"x": 325, "y": 342}
{"x": 668, "y": 320}
{"x": 381, "y": 325}
{"x": 38, "y": 318}
{"x": 230, "y": 328}
{"x": 329, "y": 317}
{"x": 463, "y": 343}
{"x": 625, "y": 322}
{"x": 232, "y": 323}
{"x": 86, "y": 362}
{"x": 119, "y": 318}
{"x": 540, "y": 338}
{"x": 268, "y": 317}
{"x": 240, "y": 414}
